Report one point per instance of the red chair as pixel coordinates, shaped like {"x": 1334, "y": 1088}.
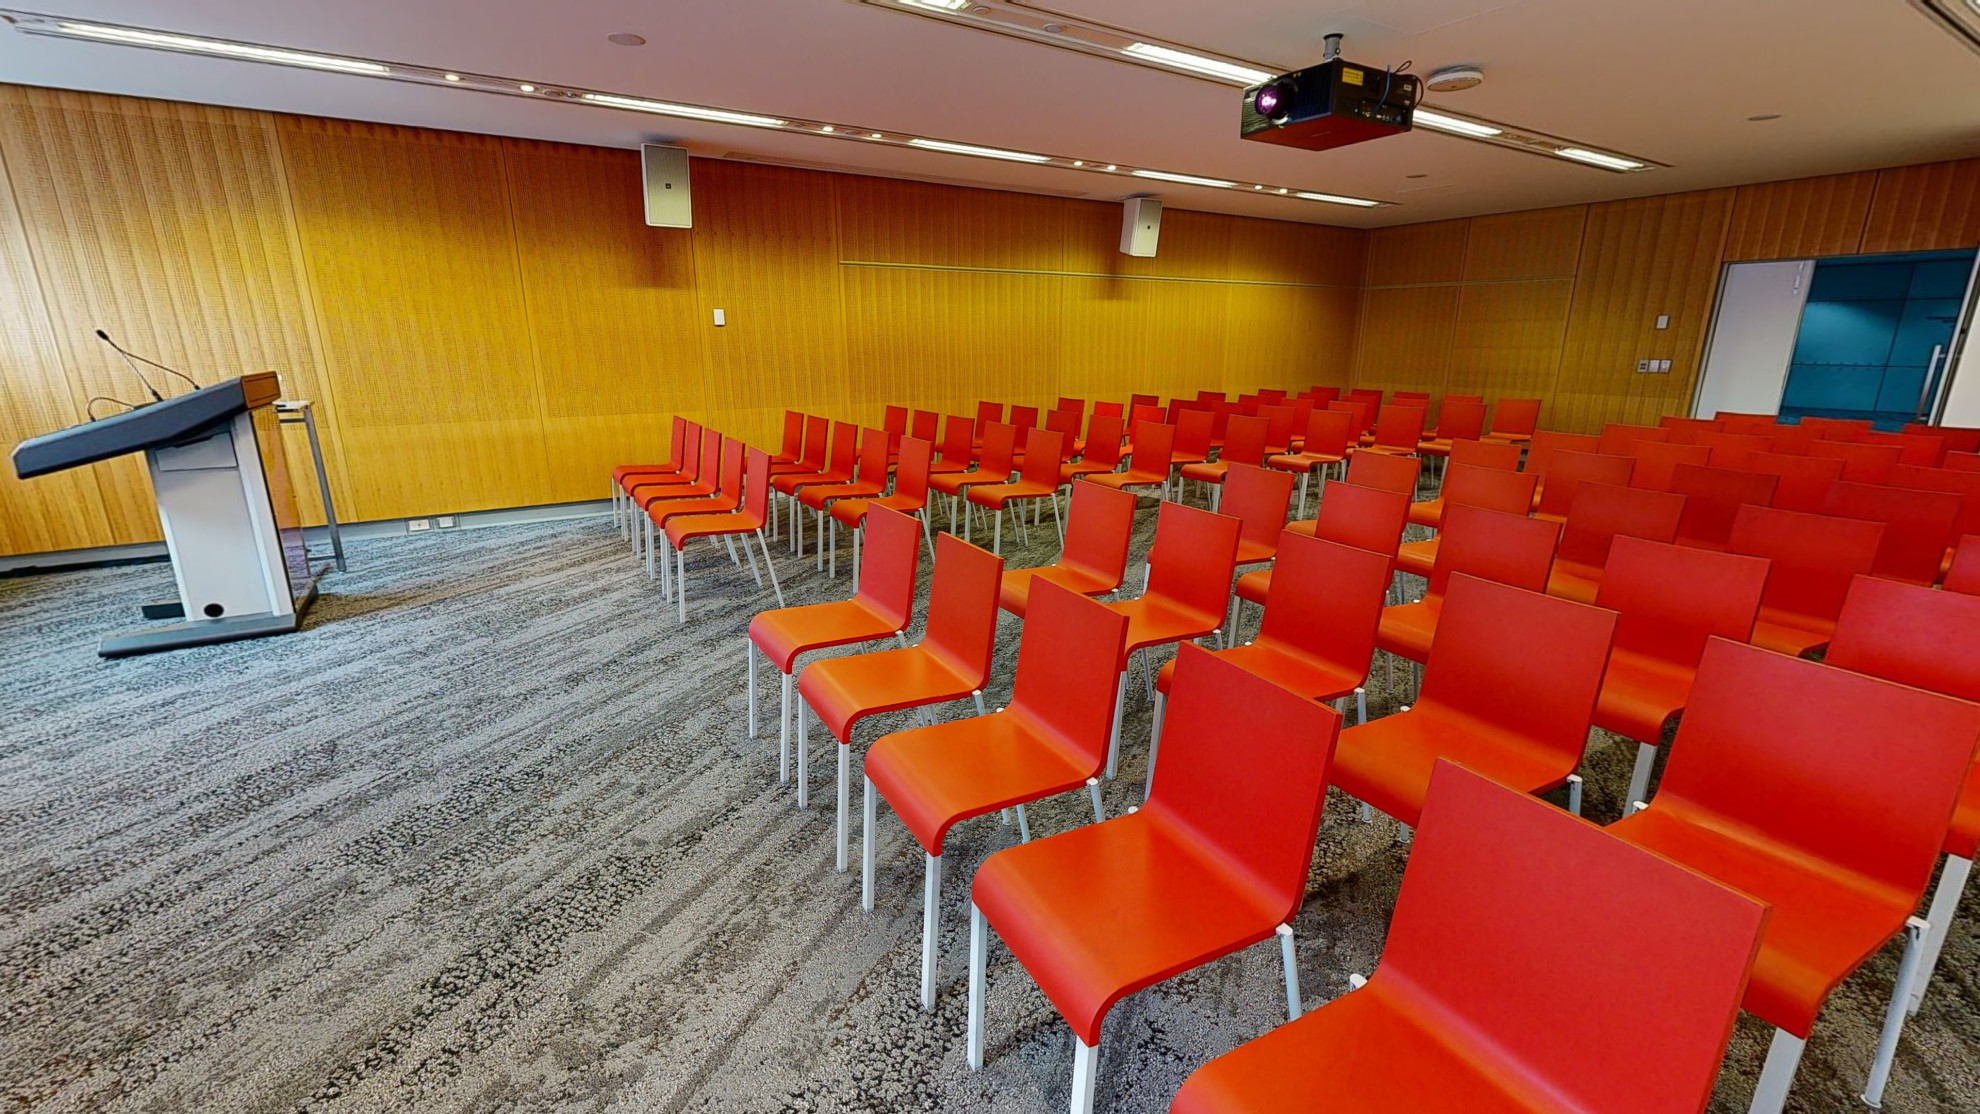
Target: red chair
{"x": 726, "y": 500}
{"x": 1459, "y": 421}
{"x": 1244, "y": 443}
{"x": 876, "y": 448}
{"x": 1051, "y": 739}
{"x": 1075, "y": 405}
{"x": 1470, "y": 1011}
{"x": 1214, "y": 863}
{"x": 1024, "y": 417}
{"x": 1093, "y": 561}
{"x": 678, "y": 453}
{"x": 696, "y": 480}
{"x": 1564, "y": 473}
{"x": 1514, "y": 419}
{"x": 927, "y": 425}
{"x": 749, "y": 519}
{"x": 1364, "y": 517}
{"x": 1602, "y": 513}
{"x": 1326, "y": 443}
{"x": 1509, "y": 691}
{"x": 1869, "y": 464}
{"x": 881, "y": 606}
{"x": 1149, "y": 465}
{"x": 894, "y": 420}
{"x": 1805, "y": 480}
{"x": 1836, "y": 429}
{"x": 1505, "y": 548}
{"x": 1101, "y": 453}
{"x": 812, "y": 456}
{"x": 1044, "y": 452}
{"x": 1914, "y": 449}
{"x": 1815, "y": 556}
{"x": 1192, "y": 444}
{"x": 1472, "y": 486}
{"x": 1921, "y": 638}
{"x": 1953, "y": 439}
{"x": 1712, "y": 499}
{"x": 1188, "y": 581}
{"x": 1107, "y": 409}
{"x": 1281, "y": 422}
{"x": 993, "y": 467}
{"x": 1398, "y": 430}
{"x": 956, "y": 452}
{"x": 1672, "y": 599}
{"x": 910, "y": 497}
{"x": 1825, "y": 794}
{"x": 1966, "y": 485}
{"x": 840, "y": 463}
{"x": 1540, "y": 451}
{"x": 1503, "y": 455}
{"x": 1729, "y": 450}
{"x": 1918, "y": 526}
{"x": 952, "y": 661}
{"x": 1657, "y": 461}
{"x": 1964, "y": 575}
{"x": 1258, "y": 498}
{"x": 1684, "y": 431}
{"x": 1963, "y": 461}
{"x": 987, "y": 413}
{"x": 1385, "y": 471}
{"x": 1620, "y": 440}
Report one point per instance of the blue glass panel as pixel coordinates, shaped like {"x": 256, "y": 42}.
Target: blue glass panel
{"x": 1859, "y": 282}
{"x": 1833, "y": 386}
{"x": 1847, "y": 332}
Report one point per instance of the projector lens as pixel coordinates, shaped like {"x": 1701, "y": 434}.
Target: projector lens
{"x": 1270, "y": 101}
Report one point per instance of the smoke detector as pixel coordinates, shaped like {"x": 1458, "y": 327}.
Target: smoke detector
{"x": 1450, "y": 79}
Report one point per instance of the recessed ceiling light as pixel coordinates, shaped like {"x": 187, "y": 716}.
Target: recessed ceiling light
{"x": 1053, "y": 28}
{"x": 1111, "y": 166}
{"x": 826, "y": 128}
{"x": 453, "y": 77}
{"x": 1258, "y": 187}
{"x": 978, "y": 152}
{"x": 527, "y": 88}
{"x": 688, "y": 111}
{"x": 220, "y": 48}
{"x": 1598, "y": 158}
{"x": 1185, "y": 179}
{"x": 1426, "y": 118}
{"x": 1196, "y": 63}
{"x": 1282, "y": 189}
{"x": 626, "y": 38}
{"x": 1078, "y": 162}
{"x": 875, "y": 135}
{"x": 1337, "y": 199}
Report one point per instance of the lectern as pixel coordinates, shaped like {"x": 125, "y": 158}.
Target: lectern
{"x": 222, "y": 485}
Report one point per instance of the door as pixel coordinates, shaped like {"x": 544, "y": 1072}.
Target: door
{"x": 1753, "y": 332}
{"x": 1875, "y": 336}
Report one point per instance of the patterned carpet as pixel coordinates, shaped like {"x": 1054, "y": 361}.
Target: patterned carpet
{"x": 489, "y": 835}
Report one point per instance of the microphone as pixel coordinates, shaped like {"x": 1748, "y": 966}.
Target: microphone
{"x": 105, "y": 338}
{"x": 183, "y": 377}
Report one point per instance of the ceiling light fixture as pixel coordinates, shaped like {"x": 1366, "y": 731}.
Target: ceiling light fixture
{"x": 1185, "y": 179}
{"x": 1598, "y": 158}
{"x": 1425, "y": 118}
{"x": 687, "y": 111}
{"x": 1337, "y": 199}
{"x": 453, "y": 77}
{"x": 527, "y": 88}
{"x": 1197, "y": 63}
{"x": 938, "y": 5}
{"x": 979, "y": 152}
{"x": 220, "y": 48}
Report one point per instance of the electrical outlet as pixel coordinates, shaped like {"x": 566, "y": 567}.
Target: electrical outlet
{"x": 445, "y": 522}
{"x": 418, "y": 525}
{"x": 1643, "y": 367}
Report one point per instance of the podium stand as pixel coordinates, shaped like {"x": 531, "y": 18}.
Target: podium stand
{"x": 222, "y": 485}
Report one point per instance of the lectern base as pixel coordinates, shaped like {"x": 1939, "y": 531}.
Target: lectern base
{"x": 204, "y": 632}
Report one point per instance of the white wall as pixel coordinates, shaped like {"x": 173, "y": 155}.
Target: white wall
{"x": 1962, "y": 393}
{"x": 1753, "y": 334}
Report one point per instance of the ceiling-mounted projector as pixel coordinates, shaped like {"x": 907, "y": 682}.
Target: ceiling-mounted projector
{"x": 1329, "y": 105}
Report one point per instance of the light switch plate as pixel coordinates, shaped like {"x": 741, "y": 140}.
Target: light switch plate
{"x": 1663, "y": 321}
{"x": 720, "y": 319}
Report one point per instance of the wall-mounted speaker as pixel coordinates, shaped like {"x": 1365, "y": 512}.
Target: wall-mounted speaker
{"x": 1141, "y": 226}
{"x": 665, "y": 173}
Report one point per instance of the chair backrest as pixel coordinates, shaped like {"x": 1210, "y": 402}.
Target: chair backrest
{"x": 1482, "y": 924}
{"x": 1918, "y": 449}
{"x": 893, "y": 550}
{"x": 1617, "y": 438}
{"x": 793, "y": 435}
{"x": 1462, "y": 421}
{"x": 1517, "y": 416}
{"x": 1495, "y": 489}
{"x": 1684, "y": 431}
{"x": 1272, "y": 394}
{"x": 1064, "y": 422}
{"x": 1955, "y": 439}
{"x": 1328, "y": 432}
{"x": 1410, "y": 396}
{"x": 1509, "y": 549}
{"x": 1465, "y": 398}
{"x": 1713, "y": 496}
{"x": 732, "y": 469}
{"x": 1526, "y": 663}
{"x": 1221, "y": 414}
{"x": 1567, "y": 472}
{"x": 1486, "y": 454}
{"x": 1279, "y": 427}
{"x": 815, "y": 431}
{"x": 1326, "y": 601}
{"x": 1603, "y": 512}
{"x": 845, "y": 449}
{"x": 1850, "y": 771}
{"x": 1735, "y": 422}
{"x": 957, "y": 433}
{"x": 1674, "y": 597}
{"x": 1964, "y": 575}
{"x": 1656, "y": 460}
{"x": 1244, "y": 774}
{"x": 1836, "y": 429}
{"x": 1321, "y": 396}
{"x": 1044, "y": 451}
{"x": 1177, "y": 406}
{"x": 999, "y": 449}
{"x": 1076, "y": 405}
{"x": 1400, "y": 426}
{"x": 1099, "y": 526}
{"x": 962, "y": 607}
{"x": 987, "y": 412}
{"x": 1024, "y": 417}
{"x": 1107, "y": 410}
{"x": 690, "y": 465}
{"x": 1870, "y": 464}
{"x": 1390, "y": 473}
{"x": 1814, "y": 556}
{"x": 710, "y": 466}
{"x": 1540, "y": 451}
{"x": 1067, "y": 659}
{"x": 1244, "y": 440}
{"x": 1909, "y": 634}
{"x": 1966, "y": 485}
{"x": 1805, "y": 480}
{"x": 677, "y": 442}
{"x": 1191, "y": 561}
{"x": 1142, "y": 400}
{"x": 1729, "y": 450}
{"x": 1154, "y": 414}
{"x": 1364, "y": 517}
{"x": 1103, "y": 439}
{"x": 874, "y": 447}
{"x": 911, "y": 473}
{"x": 895, "y": 421}
{"x": 1257, "y": 497}
{"x": 1193, "y": 434}
{"x": 1918, "y": 525}
{"x": 1963, "y": 462}
{"x": 1360, "y": 409}
{"x": 756, "y": 487}
{"x": 1154, "y": 448}
{"x": 926, "y": 424}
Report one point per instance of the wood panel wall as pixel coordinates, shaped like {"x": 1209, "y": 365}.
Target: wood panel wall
{"x": 489, "y": 323}
{"x": 1560, "y": 304}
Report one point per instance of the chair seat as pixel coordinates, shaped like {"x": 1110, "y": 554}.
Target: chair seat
{"x": 994, "y": 496}
{"x": 660, "y": 513}
{"x": 1015, "y": 591}
{"x": 956, "y": 483}
{"x": 1074, "y": 470}
{"x": 936, "y": 777}
{"x": 1822, "y": 927}
{"x": 1572, "y": 580}
{"x": 683, "y": 529}
{"x": 1390, "y": 450}
{"x": 1120, "y": 480}
{"x": 947, "y": 467}
{"x": 1406, "y": 630}
{"x": 1640, "y": 694}
{"x": 1427, "y": 512}
{"x": 785, "y": 633}
{"x": 852, "y": 512}
{"x": 788, "y": 467}
{"x": 1301, "y": 462}
{"x": 1251, "y": 553}
{"x": 842, "y": 691}
{"x": 1254, "y": 587}
{"x": 1156, "y": 622}
{"x": 1209, "y": 471}
{"x": 1417, "y": 558}
{"x": 792, "y": 483}
{"x": 1789, "y": 633}
{"x": 1387, "y": 762}
{"x": 1435, "y": 446}
{"x": 1304, "y": 674}
{"x": 647, "y": 496}
{"x": 817, "y": 495}
{"x": 627, "y": 475}
{"x": 1099, "y": 912}
{"x": 1364, "y": 1052}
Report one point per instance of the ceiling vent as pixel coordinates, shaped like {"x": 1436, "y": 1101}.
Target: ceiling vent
{"x": 1452, "y": 79}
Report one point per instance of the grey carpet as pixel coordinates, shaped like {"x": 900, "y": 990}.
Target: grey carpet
{"x": 489, "y": 835}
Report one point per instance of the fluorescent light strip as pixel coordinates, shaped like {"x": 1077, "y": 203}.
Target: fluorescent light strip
{"x": 1424, "y": 118}
{"x": 979, "y": 152}
{"x": 1185, "y": 179}
{"x": 1197, "y": 63}
{"x": 938, "y": 5}
{"x": 1336, "y": 199}
{"x": 220, "y": 48}
{"x": 1598, "y": 158}
{"x": 688, "y": 111}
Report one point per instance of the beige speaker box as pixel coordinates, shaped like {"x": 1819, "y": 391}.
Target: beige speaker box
{"x": 665, "y": 172}
{"x": 1141, "y": 226}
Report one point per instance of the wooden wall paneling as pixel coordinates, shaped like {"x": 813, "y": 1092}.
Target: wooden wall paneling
{"x": 1405, "y": 337}
{"x": 1192, "y": 245}
{"x": 1542, "y": 243}
{"x": 1802, "y": 219}
{"x": 1155, "y": 336}
{"x": 882, "y": 220}
{"x": 1415, "y": 253}
{"x": 937, "y": 339}
{"x": 1308, "y": 254}
{"x": 612, "y": 306}
{"x": 1508, "y": 336}
{"x": 1640, "y": 259}
{"x": 411, "y": 252}
{"x": 1925, "y": 208}
{"x": 1292, "y": 337}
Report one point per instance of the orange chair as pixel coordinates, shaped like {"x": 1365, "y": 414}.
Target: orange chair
{"x": 894, "y": 420}
{"x": 1815, "y": 556}
{"x": 881, "y": 606}
{"x": 1076, "y": 405}
{"x": 812, "y": 456}
{"x": 726, "y": 500}
{"x": 1602, "y": 513}
{"x": 1214, "y": 863}
{"x": 1503, "y": 455}
{"x": 677, "y": 451}
{"x": 1458, "y": 421}
{"x": 1360, "y": 411}
{"x": 1804, "y": 482}
{"x": 1966, "y": 485}
{"x": 1836, "y": 429}
{"x": 1244, "y": 443}
{"x": 1093, "y": 561}
{"x": 1914, "y": 449}
{"x": 1328, "y": 433}
{"x": 1564, "y": 473}
{"x": 1024, "y": 417}
{"x": 927, "y": 425}
{"x": 1385, "y": 471}
{"x": 1684, "y": 431}
{"x": 1964, "y": 575}
{"x": 1187, "y": 583}
{"x": 1656, "y": 461}
{"x": 987, "y": 414}
{"x": 747, "y": 520}
{"x": 1869, "y": 464}
{"x": 1044, "y": 454}
{"x": 1505, "y": 548}
{"x": 876, "y": 449}
{"x": 910, "y": 497}
{"x": 1258, "y": 498}
{"x": 1472, "y": 486}
{"x": 1192, "y": 444}
{"x": 952, "y": 661}
{"x": 1364, "y": 517}
{"x": 1148, "y": 465}
{"x": 1509, "y": 691}
{"x": 1469, "y": 1012}
{"x": 1101, "y": 451}
{"x": 1398, "y": 430}
{"x": 1541, "y": 449}
{"x": 1921, "y": 638}
{"x": 993, "y": 467}
{"x": 1712, "y": 499}
{"x": 1619, "y": 439}
{"x": 1672, "y": 598}
{"x": 840, "y": 462}
{"x": 955, "y": 453}
{"x": 1103, "y": 409}
{"x": 1051, "y": 739}
{"x": 643, "y": 489}
{"x": 1825, "y": 794}
{"x": 1918, "y": 526}
{"x": 1514, "y": 419}
{"x": 1729, "y": 450}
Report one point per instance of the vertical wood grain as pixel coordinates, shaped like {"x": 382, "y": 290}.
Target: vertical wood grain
{"x": 1925, "y": 208}
{"x": 1801, "y": 219}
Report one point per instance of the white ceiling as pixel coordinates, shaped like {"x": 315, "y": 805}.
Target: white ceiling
{"x": 1861, "y": 84}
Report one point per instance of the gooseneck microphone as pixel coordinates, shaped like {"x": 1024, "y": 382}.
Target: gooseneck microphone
{"x": 105, "y": 338}
{"x": 129, "y": 356}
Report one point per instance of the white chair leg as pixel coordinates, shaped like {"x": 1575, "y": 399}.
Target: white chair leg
{"x": 845, "y": 790}
{"x": 680, "y": 580}
{"x": 803, "y": 764}
{"x": 1777, "y": 1074}
{"x": 1915, "y": 931}
{"x": 868, "y": 813}
{"x": 770, "y": 567}
{"x": 1639, "y": 777}
{"x": 931, "y": 913}
{"x": 1086, "y": 1072}
{"x": 1361, "y": 705}
{"x": 1093, "y": 789}
{"x": 1945, "y": 904}
{"x": 784, "y": 732}
{"x": 749, "y": 655}
{"x": 1574, "y": 793}
{"x": 979, "y": 955}
{"x": 1291, "y": 962}
{"x": 1114, "y": 740}
{"x": 1024, "y": 826}
{"x": 1154, "y": 741}
{"x": 997, "y": 534}
{"x": 751, "y": 554}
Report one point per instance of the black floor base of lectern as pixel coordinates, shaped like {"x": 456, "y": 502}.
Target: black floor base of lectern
{"x": 203, "y": 632}
{"x": 164, "y": 609}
